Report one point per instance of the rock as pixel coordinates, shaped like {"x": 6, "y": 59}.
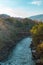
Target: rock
{"x": 39, "y": 62}
{"x": 36, "y": 56}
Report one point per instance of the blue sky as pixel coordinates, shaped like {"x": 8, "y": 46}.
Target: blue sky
{"x": 21, "y": 8}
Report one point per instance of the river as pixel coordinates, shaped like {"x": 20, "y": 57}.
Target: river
{"x": 21, "y": 55}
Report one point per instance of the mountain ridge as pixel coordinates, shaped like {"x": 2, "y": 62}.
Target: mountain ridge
{"x": 37, "y": 17}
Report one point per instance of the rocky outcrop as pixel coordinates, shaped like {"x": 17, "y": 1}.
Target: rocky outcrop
{"x": 35, "y": 55}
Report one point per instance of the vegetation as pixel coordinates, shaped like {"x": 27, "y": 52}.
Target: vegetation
{"x": 40, "y": 48}
{"x": 37, "y": 36}
{"x": 37, "y": 33}
{"x": 12, "y": 30}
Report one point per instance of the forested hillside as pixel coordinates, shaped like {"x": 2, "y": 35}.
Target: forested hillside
{"x": 11, "y": 31}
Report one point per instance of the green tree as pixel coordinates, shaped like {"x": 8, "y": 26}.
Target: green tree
{"x": 37, "y": 33}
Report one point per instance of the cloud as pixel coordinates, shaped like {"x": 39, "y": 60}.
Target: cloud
{"x": 37, "y": 2}
{"x": 18, "y": 12}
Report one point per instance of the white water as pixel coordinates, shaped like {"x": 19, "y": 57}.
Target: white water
{"x": 21, "y": 55}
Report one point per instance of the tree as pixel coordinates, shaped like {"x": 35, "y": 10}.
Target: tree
{"x": 39, "y": 48}
{"x": 37, "y": 33}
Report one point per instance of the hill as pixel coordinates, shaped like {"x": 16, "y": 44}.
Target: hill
{"x": 4, "y": 16}
{"x": 37, "y": 17}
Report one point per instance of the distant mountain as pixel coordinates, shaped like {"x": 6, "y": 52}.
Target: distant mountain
{"x": 4, "y": 16}
{"x": 37, "y": 17}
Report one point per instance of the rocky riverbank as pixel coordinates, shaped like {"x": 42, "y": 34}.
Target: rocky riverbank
{"x": 5, "y": 51}
{"x": 37, "y": 43}
{"x": 21, "y": 54}
{"x": 35, "y": 55}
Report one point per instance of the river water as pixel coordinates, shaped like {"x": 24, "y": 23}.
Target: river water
{"x": 21, "y": 55}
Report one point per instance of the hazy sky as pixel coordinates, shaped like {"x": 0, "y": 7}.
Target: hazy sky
{"x": 21, "y": 8}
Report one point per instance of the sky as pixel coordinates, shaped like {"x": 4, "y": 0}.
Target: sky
{"x": 21, "y": 8}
